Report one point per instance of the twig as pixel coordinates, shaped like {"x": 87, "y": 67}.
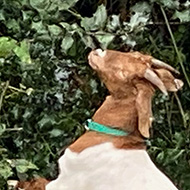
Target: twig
{"x": 45, "y": 142}
{"x": 75, "y": 14}
{"x": 3, "y": 94}
{"x": 181, "y": 109}
{"x": 164, "y": 23}
{"x": 169, "y": 114}
{"x": 154, "y": 44}
{"x": 166, "y": 138}
{"x": 175, "y": 46}
{"x": 16, "y": 89}
{"x": 14, "y": 129}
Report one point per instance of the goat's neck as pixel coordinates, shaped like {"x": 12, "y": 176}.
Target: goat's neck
{"x": 118, "y": 113}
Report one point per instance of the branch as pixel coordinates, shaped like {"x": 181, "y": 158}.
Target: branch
{"x": 3, "y": 94}
{"x": 175, "y": 46}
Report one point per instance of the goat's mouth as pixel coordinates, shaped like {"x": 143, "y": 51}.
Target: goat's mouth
{"x": 95, "y": 67}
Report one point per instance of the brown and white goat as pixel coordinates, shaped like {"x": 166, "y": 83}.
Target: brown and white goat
{"x": 99, "y": 161}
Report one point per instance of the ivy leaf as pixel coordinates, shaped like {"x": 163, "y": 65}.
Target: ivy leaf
{"x": 183, "y": 16}
{"x": 5, "y": 169}
{"x": 39, "y": 4}
{"x": 1, "y": 15}
{"x": 66, "y": 4}
{"x": 67, "y": 42}
{"x": 13, "y": 25}
{"x": 54, "y": 29}
{"x": 113, "y": 23}
{"x": 140, "y": 15}
{"x": 2, "y": 128}
{"x": 187, "y": 4}
{"x": 88, "y": 41}
{"x": 6, "y": 46}
{"x": 137, "y": 20}
{"x": 142, "y": 7}
{"x": 56, "y": 132}
{"x": 9, "y": 45}
{"x": 23, "y": 165}
{"x": 22, "y": 52}
{"x": 128, "y": 40}
{"x": 105, "y": 39}
{"x": 171, "y": 4}
{"x": 46, "y": 122}
{"x": 97, "y": 21}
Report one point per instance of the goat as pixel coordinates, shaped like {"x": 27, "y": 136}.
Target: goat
{"x": 34, "y": 184}
{"x": 112, "y": 153}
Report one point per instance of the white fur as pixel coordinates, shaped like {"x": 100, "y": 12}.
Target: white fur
{"x": 101, "y": 53}
{"x": 103, "y": 167}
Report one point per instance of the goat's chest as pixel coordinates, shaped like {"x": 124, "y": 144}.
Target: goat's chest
{"x": 104, "y": 167}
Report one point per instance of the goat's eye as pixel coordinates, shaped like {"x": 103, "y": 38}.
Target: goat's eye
{"x": 100, "y": 52}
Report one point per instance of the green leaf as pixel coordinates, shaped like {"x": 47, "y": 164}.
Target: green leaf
{"x": 187, "y": 4}
{"x": 54, "y": 29}
{"x": 67, "y": 42}
{"x": 2, "y": 128}
{"x": 171, "y": 4}
{"x": 39, "y": 26}
{"x": 138, "y": 20}
{"x": 183, "y": 16}
{"x": 66, "y": 26}
{"x": 13, "y": 25}
{"x": 6, "y": 46}
{"x": 141, "y": 7}
{"x": 66, "y": 4}
{"x": 23, "y": 165}
{"x": 56, "y": 132}
{"x": 97, "y": 21}
{"x": 94, "y": 86}
{"x": 2, "y": 15}
{"x": 5, "y": 169}
{"x": 105, "y": 39}
{"x": 27, "y": 14}
{"x": 46, "y": 122}
{"x": 160, "y": 157}
{"x": 88, "y": 41}
{"x": 22, "y": 52}
{"x": 39, "y": 4}
{"x": 127, "y": 40}
{"x": 113, "y": 23}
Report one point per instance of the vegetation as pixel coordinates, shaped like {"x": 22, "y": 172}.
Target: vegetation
{"x": 47, "y": 89}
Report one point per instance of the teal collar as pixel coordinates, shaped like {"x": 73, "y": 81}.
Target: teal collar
{"x": 93, "y": 126}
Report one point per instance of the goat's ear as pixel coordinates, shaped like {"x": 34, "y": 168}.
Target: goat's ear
{"x": 143, "y": 106}
{"x": 170, "y": 82}
{"x": 160, "y": 74}
{"x": 163, "y": 79}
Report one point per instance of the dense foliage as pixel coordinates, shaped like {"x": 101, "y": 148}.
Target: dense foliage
{"x": 47, "y": 89}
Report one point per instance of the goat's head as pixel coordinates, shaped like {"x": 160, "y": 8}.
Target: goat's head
{"x": 138, "y": 75}
{"x": 119, "y": 68}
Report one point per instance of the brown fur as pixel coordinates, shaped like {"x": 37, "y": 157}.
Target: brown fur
{"x": 129, "y": 105}
{"x": 34, "y": 184}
